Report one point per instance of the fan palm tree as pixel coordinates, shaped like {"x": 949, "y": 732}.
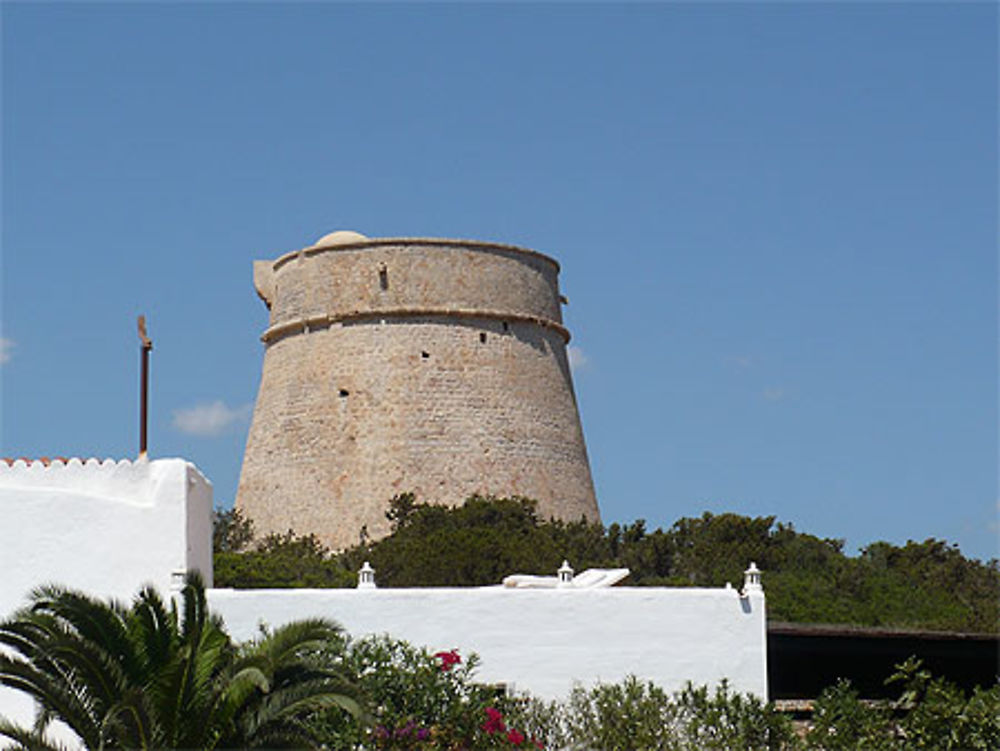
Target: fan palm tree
{"x": 146, "y": 676}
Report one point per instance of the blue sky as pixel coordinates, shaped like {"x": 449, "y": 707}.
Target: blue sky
{"x": 777, "y": 226}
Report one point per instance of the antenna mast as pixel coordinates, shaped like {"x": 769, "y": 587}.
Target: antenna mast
{"x": 145, "y": 348}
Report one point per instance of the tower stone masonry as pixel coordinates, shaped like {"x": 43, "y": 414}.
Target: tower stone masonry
{"x": 419, "y": 365}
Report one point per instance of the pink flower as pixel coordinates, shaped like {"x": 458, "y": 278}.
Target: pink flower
{"x": 448, "y": 659}
{"x": 494, "y": 721}
{"x": 515, "y": 737}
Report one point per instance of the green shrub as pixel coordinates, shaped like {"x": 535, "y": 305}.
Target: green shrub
{"x": 938, "y": 714}
{"x": 843, "y": 722}
{"x": 725, "y": 720}
{"x": 930, "y": 713}
{"x": 418, "y": 700}
{"x": 276, "y": 561}
{"x": 636, "y": 716}
{"x": 621, "y": 716}
{"x": 282, "y": 561}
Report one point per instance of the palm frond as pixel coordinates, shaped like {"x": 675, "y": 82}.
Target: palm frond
{"x": 55, "y": 648}
{"x": 131, "y": 723}
{"x": 83, "y": 661}
{"x": 235, "y": 693}
{"x": 289, "y": 733}
{"x": 194, "y": 608}
{"x": 27, "y": 740}
{"x": 152, "y": 630}
{"x": 63, "y": 698}
{"x": 91, "y": 617}
{"x": 29, "y": 633}
{"x": 295, "y": 702}
{"x": 293, "y": 639}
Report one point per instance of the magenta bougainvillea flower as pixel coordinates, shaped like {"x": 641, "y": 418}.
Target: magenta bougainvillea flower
{"x": 515, "y": 737}
{"x": 494, "y": 721}
{"x": 448, "y": 659}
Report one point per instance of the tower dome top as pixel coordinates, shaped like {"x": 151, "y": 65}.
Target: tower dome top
{"x": 340, "y": 237}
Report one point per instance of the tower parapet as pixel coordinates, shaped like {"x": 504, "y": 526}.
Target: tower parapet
{"x": 410, "y": 364}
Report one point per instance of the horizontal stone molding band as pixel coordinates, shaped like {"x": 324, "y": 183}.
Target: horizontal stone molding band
{"x": 302, "y": 325}
{"x": 375, "y": 242}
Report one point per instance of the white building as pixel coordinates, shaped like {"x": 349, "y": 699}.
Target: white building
{"x": 110, "y": 527}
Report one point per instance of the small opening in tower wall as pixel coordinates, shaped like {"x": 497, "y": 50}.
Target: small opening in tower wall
{"x": 425, "y": 355}
{"x": 383, "y": 277}
{"x": 506, "y": 326}
{"x": 482, "y": 338}
{"x": 345, "y": 392}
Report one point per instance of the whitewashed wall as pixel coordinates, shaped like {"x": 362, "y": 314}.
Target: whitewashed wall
{"x": 543, "y": 641}
{"x": 104, "y": 527}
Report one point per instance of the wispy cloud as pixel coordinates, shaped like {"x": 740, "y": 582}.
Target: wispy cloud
{"x": 742, "y": 362}
{"x": 577, "y": 359}
{"x": 6, "y": 349}
{"x": 210, "y": 419}
{"x": 774, "y": 395}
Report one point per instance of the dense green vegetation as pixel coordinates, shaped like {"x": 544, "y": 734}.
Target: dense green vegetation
{"x": 928, "y": 585}
{"x": 635, "y": 715}
{"x": 929, "y": 714}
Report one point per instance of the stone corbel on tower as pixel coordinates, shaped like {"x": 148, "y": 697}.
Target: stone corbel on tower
{"x": 263, "y": 281}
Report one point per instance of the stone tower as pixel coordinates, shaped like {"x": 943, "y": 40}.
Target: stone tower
{"x": 398, "y": 364}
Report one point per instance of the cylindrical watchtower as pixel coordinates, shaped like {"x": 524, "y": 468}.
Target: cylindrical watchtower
{"x": 424, "y": 365}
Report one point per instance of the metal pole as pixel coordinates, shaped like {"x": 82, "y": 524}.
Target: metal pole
{"x": 145, "y": 347}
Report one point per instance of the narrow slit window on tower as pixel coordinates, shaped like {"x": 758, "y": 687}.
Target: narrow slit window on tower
{"x": 506, "y": 326}
{"x": 482, "y": 338}
{"x": 383, "y": 277}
